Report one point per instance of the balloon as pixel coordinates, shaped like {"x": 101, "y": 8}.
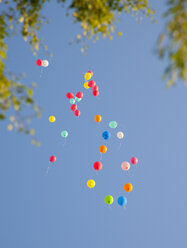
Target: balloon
{"x": 125, "y": 166}
{"x": 52, "y": 158}
{"x": 52, "y": 118}
{"x": 103, "y": 149}
{"x": 109, "y": 199}
{"x": 69, "y": 95}
{"x": 120, "y": 135}
{"x": 78, "y": 99}
{"x": 73, "y": 107}
{"x": 106, "y": 135}
{"x": 72, "y": 101}
{"x": 95, "y": 93}
{"x": 77, "y": 112}
{"x": 45, "y": 63}
{"x": 91, "y": 183}
{"x": 79, "y": 94}
{"x": 113, "y": 124}
{"x": 128, "y": 187}
{"x": 90, "y": 73}
{"x": 134, "y": 160}
{"x": 39, "y": 62}
{"x": 95, "y": 88}
{"x": 87, "y": 76}
{"x": 98, "y": 118}
{"x": 91, "y": 83}
{"x": 86, "y": 85}
{"x": 122, "y": 201}
{"x": 64, "y": 134}
{"x": 97, "y": 166}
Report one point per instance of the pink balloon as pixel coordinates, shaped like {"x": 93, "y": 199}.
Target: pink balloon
{"x": 134, "y": 160}
{"x": 73, "y": 107}
{"x": 125, "y": 166}
{"x": 95, "y": 93}
{"x": 79, "y": 94}
{"x": 77, "y": 112}
{"x": 91, "y": 83}
{"x": 52, "y": 158}
{"x": 96, "y": 88}
{"x": 39, "y": 62}
{"x": 91, "y": 73}
{"x": 69, "y": 95}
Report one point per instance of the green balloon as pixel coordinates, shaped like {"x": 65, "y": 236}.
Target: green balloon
{"x": 72, "y": 101}
{"x": 113, "y": 124}
{"x": 109, "y": 199}
{"x": 64, "y": 134}
{"x": 78, "y": 99}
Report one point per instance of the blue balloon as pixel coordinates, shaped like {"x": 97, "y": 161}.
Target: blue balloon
{"x": 122, "y": 201}
{"x": 106, "y": 135}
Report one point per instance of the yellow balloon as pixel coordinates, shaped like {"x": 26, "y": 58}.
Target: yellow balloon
{"x": 52, "y": 118}
{"x": 86, "y": 85}
{"x": 87, "y": 76}
{"x": 91, "y": 183}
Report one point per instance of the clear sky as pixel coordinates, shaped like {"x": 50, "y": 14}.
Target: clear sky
{"x": 58, "y": 210}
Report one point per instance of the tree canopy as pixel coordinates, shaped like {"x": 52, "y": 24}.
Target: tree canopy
{"x": 97, "y": 18}
{"x": 173, "y": 42}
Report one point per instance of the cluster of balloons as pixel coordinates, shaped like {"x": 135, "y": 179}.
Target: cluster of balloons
{"x": 91, "y": 83}
{"x": 44, "y": 63}
{"x": 78, "y": 97}
{"x": 106, "y": 135}
{"x": 128, "y": 187}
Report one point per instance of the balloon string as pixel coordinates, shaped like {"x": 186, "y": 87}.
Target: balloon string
{"x": 47, "y": 170}
{"x": 130, "y": 175}
{"x": 64, "y": 143}
{"x": 101, "y": 157}
{"x": 120, "y": 145}
{"x": 125, "y": 208}
{"x": 41, "y": 72}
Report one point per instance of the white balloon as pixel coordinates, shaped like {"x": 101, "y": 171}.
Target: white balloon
{"x": 45, "y": 63}
{"x": 120, "y": 135}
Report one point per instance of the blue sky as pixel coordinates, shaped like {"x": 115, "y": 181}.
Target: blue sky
{"x": 58, "y": 210}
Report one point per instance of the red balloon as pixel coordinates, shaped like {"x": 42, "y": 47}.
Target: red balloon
{"x": 91, "y": 83}
{"x": 69, "y": 95}
{"x": 97, "y": 165}
{"x": 52, "y": 158}
{"x": 79, "y": 94}
{"x": 91, "y": 72}
{"x": 95, "y": 93}
{"x": 95, "y": 88}
{"x": 73, "y": 107}
{"x": 77, "y": 112}
{"x": 134, "y": 160}
{"x": 39, "y": 62}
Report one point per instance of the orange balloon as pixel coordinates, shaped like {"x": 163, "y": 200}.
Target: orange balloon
{"x": 98, "y": 118}
{"x": 103, "y": 149}
{"x": 128, "y": 187}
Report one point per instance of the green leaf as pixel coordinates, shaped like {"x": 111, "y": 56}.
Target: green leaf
{"x": 30, "y": 92}
{"x": 2, "y": 116}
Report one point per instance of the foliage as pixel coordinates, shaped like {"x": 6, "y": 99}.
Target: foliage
{"x": 98, "y": 17}
{"x": 14, "y": 95}
{"x": 172, "y": 43}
